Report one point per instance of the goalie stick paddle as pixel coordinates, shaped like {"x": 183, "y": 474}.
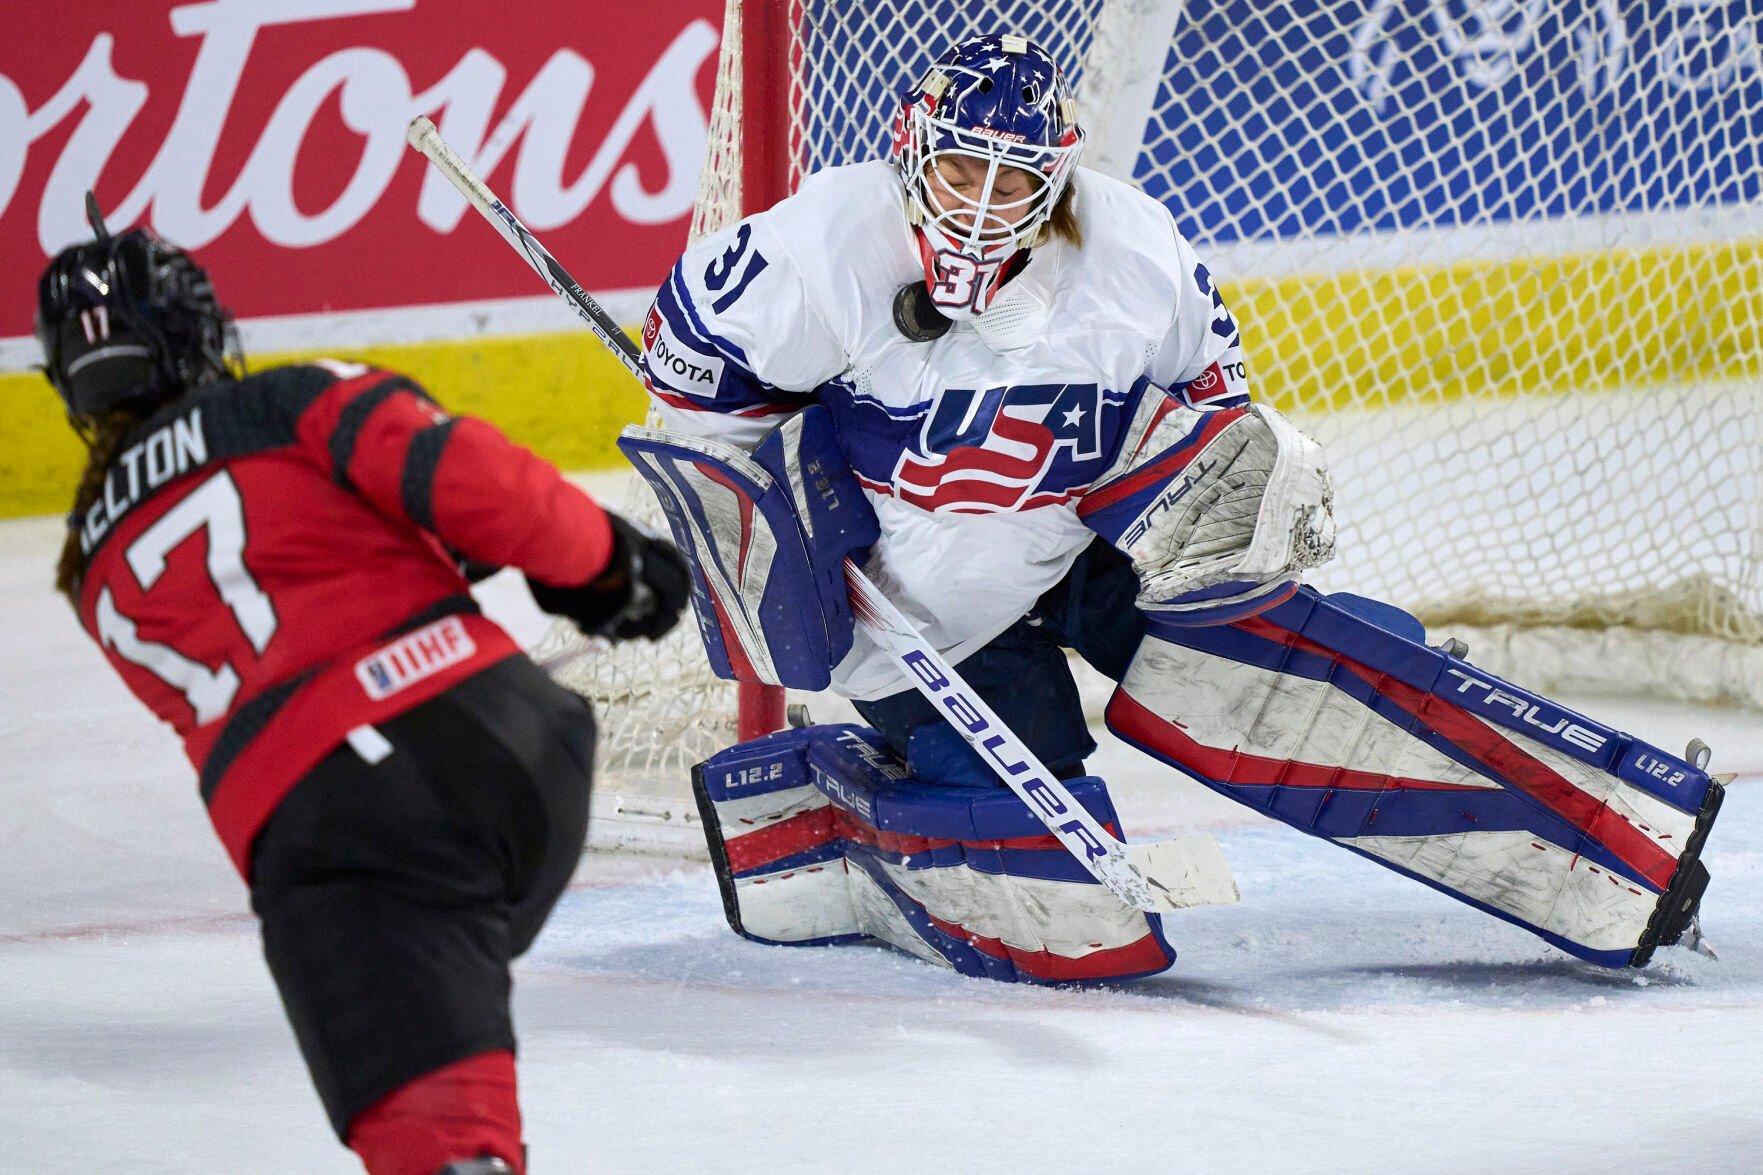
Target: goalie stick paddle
{"x": 1157, "y": 876}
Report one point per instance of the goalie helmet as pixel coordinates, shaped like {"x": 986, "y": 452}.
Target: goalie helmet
{"x": 129, "y": 321}
{"x": 999, "y": 102}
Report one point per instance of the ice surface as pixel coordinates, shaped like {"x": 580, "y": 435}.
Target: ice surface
{"x": 1339, "y": 1019}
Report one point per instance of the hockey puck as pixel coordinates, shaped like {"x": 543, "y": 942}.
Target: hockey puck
{"x": 916, "y": 318}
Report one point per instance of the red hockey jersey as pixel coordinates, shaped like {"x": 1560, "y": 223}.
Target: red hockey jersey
{"x": 274, "y": 562}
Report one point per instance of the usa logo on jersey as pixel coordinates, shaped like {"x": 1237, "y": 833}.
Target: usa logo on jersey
{"x": 983, "y": 451}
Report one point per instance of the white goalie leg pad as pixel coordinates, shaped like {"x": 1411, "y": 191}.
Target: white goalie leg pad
{"x": 1347, "y": 731}
{"x": 780, "y": 868}
{"x": 819, "y": 837}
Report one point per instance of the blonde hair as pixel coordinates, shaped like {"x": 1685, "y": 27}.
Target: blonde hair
{"x": 1063, "y": 222}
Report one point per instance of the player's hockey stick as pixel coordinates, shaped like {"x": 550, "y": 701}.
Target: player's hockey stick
{"x": 1158, "y": 876}
{"x": 423, "y": 136}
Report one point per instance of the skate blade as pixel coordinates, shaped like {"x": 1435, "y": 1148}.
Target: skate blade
{"x": 1695, "y": 940}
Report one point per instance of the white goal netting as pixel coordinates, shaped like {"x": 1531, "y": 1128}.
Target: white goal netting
{"x": 1504, "y": 258}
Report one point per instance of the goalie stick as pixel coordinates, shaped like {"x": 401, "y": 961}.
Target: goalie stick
{"x": 1155, "y": 876}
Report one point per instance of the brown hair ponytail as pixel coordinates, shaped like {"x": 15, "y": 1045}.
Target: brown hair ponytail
{"x": 103, "y": 441}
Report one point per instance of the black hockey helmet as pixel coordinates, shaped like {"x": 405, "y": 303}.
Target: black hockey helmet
{"x": 129, "y": 320}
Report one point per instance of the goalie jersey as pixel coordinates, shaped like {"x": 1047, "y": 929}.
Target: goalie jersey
{"x": 976, "y": 448}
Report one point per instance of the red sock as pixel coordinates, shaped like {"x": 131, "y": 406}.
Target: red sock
{"x": 459, "y": 1111}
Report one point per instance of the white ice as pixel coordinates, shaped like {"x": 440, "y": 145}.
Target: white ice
{"x": 1339, "y": 1019}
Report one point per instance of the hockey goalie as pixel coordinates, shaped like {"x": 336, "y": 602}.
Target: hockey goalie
{"x": 1006, "y": 387}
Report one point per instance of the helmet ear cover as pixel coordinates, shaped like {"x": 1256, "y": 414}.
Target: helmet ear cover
{"x": 130, "y": 321}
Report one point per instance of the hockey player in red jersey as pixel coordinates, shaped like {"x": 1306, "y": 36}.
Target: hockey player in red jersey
{"x": 272, "y": 564}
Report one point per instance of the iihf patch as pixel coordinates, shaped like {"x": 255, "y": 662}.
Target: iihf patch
{"x": 412, "y": 658}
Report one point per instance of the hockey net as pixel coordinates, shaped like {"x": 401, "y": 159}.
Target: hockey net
{"x": 1503, "y": 258}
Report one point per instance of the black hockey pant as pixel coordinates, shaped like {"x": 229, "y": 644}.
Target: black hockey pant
{"x": 394, "y": 895}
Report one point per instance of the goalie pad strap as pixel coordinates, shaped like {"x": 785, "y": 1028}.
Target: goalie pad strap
{"x": 819, "y": 837}
{"x": 1332, "y": 724}
{"x": 767, "y": 535}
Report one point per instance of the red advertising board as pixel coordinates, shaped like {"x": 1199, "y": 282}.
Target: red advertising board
{"x": 269, "y": 138}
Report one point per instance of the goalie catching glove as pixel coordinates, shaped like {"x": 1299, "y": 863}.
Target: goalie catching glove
{"x": 1220, "y": 511}
{"x": 641, "y": 592}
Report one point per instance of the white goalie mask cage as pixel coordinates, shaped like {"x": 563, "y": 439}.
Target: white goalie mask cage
{"x": 1002, "y": 103}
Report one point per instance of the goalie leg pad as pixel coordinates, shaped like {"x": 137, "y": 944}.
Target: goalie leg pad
{"x": 767, "y": 535}
{"x": 819, "y": 837}
{"x": 1336, "y": 725}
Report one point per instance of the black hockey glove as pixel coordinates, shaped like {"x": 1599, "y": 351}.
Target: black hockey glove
{"x": 641, "y": 593}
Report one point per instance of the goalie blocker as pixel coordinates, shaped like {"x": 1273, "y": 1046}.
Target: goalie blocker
{"x": 767, "y": 534}
{"x": 1332, "y": 715}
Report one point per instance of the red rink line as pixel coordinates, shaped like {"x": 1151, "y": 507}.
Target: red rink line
{"x": 198, "y": 923}
{"x": 103, "y": 930}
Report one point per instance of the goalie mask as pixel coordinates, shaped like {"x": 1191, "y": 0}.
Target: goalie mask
{"x": 129, "y": 321}
{"x": 985, "y": 145}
